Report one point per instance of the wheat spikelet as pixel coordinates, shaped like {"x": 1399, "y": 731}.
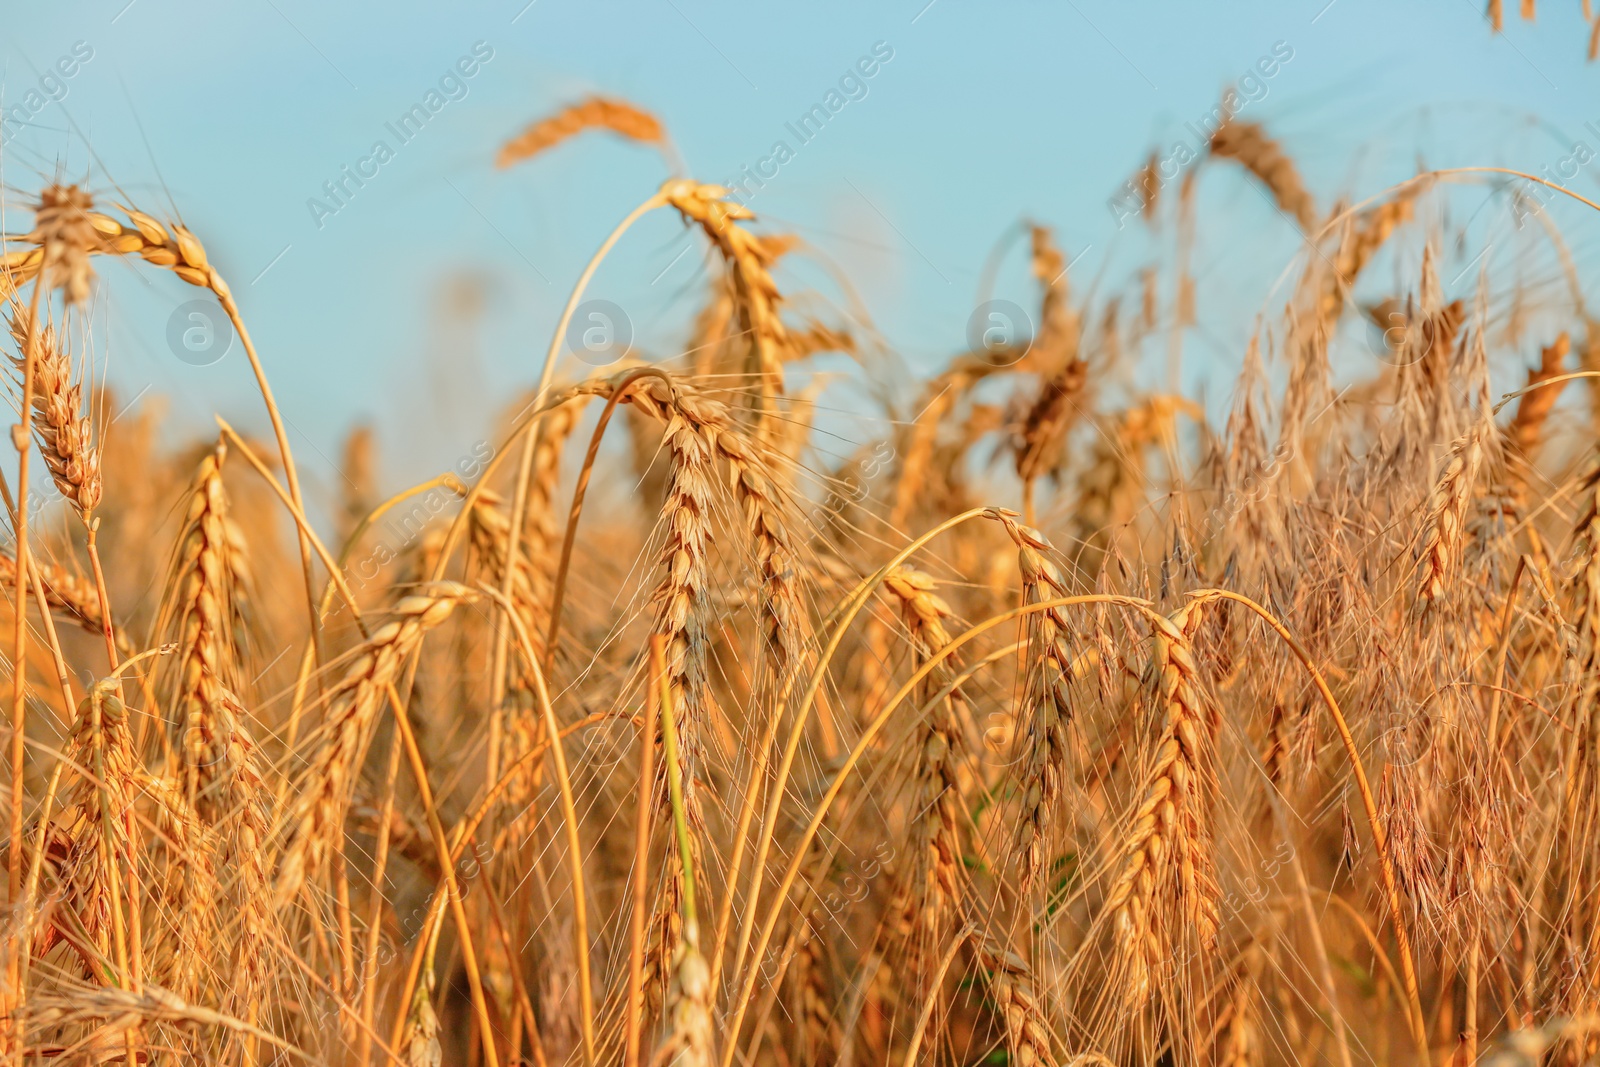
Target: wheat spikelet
{"x": 1167, "y": 841}
{"x": 353, "y": 703}
{"x": 63, "y": 434}
{"x": 681, "y": 612}
{"x": 124, "y": 1009}
{"x": 1259, "y": 154}
{"x": 594, "y": 113}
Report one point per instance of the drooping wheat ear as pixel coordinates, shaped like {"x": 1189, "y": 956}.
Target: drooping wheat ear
{"x": 69, "y": 596}
{"x": 1363, "y": 236}
{"x": 1166, "y": 851}
{"x": 935, "y": 832}
{"x": 1016, "y": 1002}
{"x": 1447, "y": 512}
{"x": 178, "y": 250}
{"x": 1054, "y": 411}
{"x": 123, "y": 1009}
{"x": 748, "y": 258}
{"x": 353, "y": 704}
{"x": 1050, "y": 418}
{"x": 768, "y": 514}
{"x": 1048, "y": 701}
{"x": 62, "y": 430}
{"x": 594, "y": 113}
{"x": 1249, "y": 145}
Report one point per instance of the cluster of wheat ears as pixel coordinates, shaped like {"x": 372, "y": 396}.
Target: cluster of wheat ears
{"x": 1273, "y": 742}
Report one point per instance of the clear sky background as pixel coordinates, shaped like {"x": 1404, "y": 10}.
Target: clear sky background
{"x": 234, "y": 115}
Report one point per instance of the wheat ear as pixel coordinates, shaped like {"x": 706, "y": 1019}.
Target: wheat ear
{"x": 1168, "y": 840}
{"x": 353, "y": 703}
{"x": 1048, "y": 697}
{"x": 594, "y": 113}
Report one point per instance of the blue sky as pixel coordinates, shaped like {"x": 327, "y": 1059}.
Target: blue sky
{"x": 234, "y": 115}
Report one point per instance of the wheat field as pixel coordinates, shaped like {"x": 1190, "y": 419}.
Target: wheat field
{"x": 1063, "y": 722}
